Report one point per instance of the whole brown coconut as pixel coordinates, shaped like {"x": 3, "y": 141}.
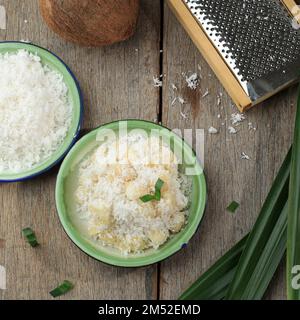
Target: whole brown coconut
{"x": 91, "y": 22}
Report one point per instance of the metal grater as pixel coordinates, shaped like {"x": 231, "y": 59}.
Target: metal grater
{"x": 256, "y": 39}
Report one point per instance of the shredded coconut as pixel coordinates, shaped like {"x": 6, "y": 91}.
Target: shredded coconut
{"x": 206, "y": 93}
{"x": 251, "y": 126}
{"x": 110, "y": 186}
{"x": 174, "y": 87}
{"x": 237, "y": 118}
{"x": 232, "y": 130}
{"x": 183, "y": 115}
{"x": 157, "y": 82}
{"x": 25, "y": 40}
{"x": 212, "y": 130}
{"x": 192, "y": 81}
{"x": 181, "y": 100}
{"x": 244, "y": 156}
{"x": 35, "y": 114}
{"x": 173, "y": 101}
{"x": 219, "y": 99}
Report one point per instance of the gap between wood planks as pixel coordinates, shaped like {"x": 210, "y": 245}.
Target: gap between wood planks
{"x": 160, "y": 113}
{"x": 161, "y": 57}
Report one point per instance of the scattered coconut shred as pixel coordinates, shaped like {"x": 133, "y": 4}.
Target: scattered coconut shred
{"x": 212, "y": 130}
{"x": 157, "y": 82}
{"x": 35, "y": 114}
{"x": 237, "y": 118}
{"x": 192, "y": 81}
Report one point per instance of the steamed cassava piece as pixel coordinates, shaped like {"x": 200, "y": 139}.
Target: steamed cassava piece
{"x": 91, "y": 22}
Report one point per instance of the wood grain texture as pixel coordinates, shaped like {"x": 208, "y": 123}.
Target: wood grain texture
{"x": 228, "y": 177}
{"x": 116, "y": 83}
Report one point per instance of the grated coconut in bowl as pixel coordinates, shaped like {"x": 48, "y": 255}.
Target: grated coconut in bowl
{"x": 110, "y": 187}
{"x": 35, "y": 112}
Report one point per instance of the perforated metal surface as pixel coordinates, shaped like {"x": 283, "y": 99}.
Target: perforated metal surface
{"x": 255, "y": 37}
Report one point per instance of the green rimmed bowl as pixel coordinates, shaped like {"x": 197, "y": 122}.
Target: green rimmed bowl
{"x": 75, "y": 97}
{"x": 65, "y": 202}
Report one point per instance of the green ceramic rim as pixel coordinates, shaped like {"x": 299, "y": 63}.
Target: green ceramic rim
{"x": 173, "y": 245}
{"x": 55, "y": 63}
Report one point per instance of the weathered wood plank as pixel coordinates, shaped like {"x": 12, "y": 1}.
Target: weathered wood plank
{"x": 117, "y": 83}
{"x": 228, "y": 177}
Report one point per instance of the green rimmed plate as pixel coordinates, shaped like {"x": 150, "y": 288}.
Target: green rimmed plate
{"x": 66, "y": 184}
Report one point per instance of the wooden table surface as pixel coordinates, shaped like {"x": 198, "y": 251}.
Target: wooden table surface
{"x": 117, "y": 83}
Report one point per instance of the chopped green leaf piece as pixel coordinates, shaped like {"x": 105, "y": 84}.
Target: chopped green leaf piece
{"x": 147, "y": 198}
{"x": 159, "y": 184}
{"x": 30, "y": 236}
{"x": 233, "y": 207}
{"x": 62, "y": 289}
{"x": 157, "y": 195}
